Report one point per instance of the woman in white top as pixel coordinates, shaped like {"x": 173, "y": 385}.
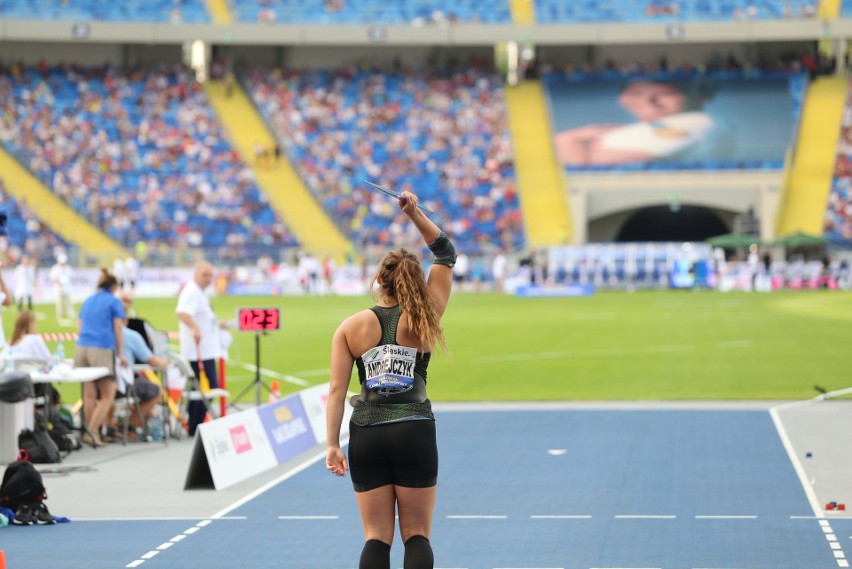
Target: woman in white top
{"x": 25, "y": 343}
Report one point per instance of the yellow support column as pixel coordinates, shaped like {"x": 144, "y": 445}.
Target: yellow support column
{"x": 287, "y": 193}
{"x": 220, "y": 12}
{"x": 809, "y": 180}
{"x": 523, "y": 12}
{"x": 54, "y": 213}
{"x": 541, "y": 179}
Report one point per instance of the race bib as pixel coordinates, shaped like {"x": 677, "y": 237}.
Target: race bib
{"x": 389, "y": 369}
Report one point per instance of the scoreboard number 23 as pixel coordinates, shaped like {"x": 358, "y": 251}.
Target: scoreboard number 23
{"x": 258, "y": 319}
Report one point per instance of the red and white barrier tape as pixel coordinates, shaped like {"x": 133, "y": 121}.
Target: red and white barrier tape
{"x": 71, "y": 336}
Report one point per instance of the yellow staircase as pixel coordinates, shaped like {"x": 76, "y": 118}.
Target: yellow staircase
{"x": 809, "y": 178}
{"x": 829, "y": 9}
{"x": 523, "y": 12}
{"x": 54, "y": 213}
{"x": 220, "y": 12}
{"x": 541, "y": 180}
{"x": 287, "y": 193}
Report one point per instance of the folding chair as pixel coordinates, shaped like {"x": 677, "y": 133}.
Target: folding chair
{"x": 193, "y": 391}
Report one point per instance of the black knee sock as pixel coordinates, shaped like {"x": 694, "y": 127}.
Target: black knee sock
{"x": 418, "y": 553}
{"x": 375, "y": 555}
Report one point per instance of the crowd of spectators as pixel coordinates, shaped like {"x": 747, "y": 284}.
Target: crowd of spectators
{"x": 717, "y": 65}
{"x": 838, "y": 212}
{"x": 558, "y": 11}
{"x": 139, "y": 153}
{"x": 172, "y": 11}
{"x": 413, "y": 12}
{"x": 442, "y": 135}
{"x": 25, "y": 234}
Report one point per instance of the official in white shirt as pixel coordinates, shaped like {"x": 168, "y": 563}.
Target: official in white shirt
{"x": 199, "y": 334}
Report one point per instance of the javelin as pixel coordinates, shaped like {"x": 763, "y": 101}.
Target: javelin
{"x": 397, "y": 195}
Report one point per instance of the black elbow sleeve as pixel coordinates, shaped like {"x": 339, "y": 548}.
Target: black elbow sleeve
{"x": 442, "y": 248}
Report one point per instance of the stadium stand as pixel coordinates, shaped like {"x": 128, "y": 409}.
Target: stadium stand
{"x": 443, "y": 135}
{"x": 372, "y": 11}
{"x": 25, "y": 233}
{"x": 838, "y": 214}
{"x": 662, "y": 11}
{"x": 150, "y": 142}
{"x": 172, "y": 11}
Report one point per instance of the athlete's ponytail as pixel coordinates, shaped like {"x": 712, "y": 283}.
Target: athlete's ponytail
{"x": 401, "y": 277}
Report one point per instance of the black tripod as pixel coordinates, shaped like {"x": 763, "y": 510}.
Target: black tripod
{"x": 258, "y": 383}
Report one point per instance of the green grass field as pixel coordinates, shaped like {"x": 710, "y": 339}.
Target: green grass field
{"x": 610, "y": 346}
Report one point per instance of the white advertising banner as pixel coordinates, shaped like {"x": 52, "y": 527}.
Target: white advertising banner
{"x": 314, "y": 400}
{"x": 237, "y": 447}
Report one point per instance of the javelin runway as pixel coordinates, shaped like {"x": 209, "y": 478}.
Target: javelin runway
{"x": 571, "y": 488}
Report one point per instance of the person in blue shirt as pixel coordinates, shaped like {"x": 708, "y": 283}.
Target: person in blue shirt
{"x": 99, "y": 343}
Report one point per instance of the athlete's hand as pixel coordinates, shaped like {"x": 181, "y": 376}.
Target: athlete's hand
{"x": 408, "y": 203}
{"x": 335, "y": 461}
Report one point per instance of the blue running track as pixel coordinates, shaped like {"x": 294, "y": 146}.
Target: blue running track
{"x": 571, "y": 489}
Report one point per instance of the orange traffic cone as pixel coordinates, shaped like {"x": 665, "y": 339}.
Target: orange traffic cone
{"x": 207, "y": 419}
{"x": 274, "y": 391}
{"x": 2, "y": 560}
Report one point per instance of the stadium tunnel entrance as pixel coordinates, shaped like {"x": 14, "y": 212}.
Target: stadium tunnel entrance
{"x": 662, "y": 223}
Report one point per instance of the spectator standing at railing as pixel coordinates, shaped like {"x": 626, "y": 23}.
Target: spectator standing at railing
{"x": 199, "y": 336}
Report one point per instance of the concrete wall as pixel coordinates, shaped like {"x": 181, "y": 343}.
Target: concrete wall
{"x": 605, "y": 201}
{"x": 457, "y": 35}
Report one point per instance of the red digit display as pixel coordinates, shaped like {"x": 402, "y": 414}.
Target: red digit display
{"x": 258, "y": 319}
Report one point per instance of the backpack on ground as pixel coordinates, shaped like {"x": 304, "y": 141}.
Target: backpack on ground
{"x": 22, "y": 491}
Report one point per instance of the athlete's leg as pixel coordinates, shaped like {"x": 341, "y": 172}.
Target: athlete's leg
{"x": 377, "y": 512}
{"x": 416, "y": 506}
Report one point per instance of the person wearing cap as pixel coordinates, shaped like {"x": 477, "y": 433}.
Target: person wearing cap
{"x": 60, "y": 276}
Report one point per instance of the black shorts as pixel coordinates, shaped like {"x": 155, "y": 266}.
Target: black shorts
{"x": 403, "y": 454}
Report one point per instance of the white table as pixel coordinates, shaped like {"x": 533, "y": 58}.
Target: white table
{"x": 72, "y": 375}
{"x": 16, "y": 417}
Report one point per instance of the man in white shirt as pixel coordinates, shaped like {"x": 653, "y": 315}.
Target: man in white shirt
{"x": 60, "y": 276}
{"x": 199, "y": 336}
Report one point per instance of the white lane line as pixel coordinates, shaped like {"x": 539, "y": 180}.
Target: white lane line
{"x": 223, "y": 514}
{"x": 643, "y": 517}
{"x": 276, "y": 375}
{"x": 150, "y": 554}
{"x": 164, "y": 546}
{"x": 559, "y": 517}
{"x": 474, "y": 517}
{"x": 308, "y": 517}
{"x": 797, "y": 464}
{"x": 204, "y": 523}
{"x": 726, "y": 517}
{"x": 313, "y": 373}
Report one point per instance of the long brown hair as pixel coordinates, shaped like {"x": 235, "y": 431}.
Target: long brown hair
{"x": 23, "y": 325}
{"x": 401, "y": 277}
{"x": 107, "y": 280}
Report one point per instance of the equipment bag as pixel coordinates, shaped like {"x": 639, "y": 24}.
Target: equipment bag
{"x": 39, "y": 446}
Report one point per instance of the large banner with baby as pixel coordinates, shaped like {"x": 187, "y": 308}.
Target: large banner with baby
{"x": 667, "y": 121}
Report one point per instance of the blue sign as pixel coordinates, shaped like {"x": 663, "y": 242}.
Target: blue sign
{"x": 287, "y": 426}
